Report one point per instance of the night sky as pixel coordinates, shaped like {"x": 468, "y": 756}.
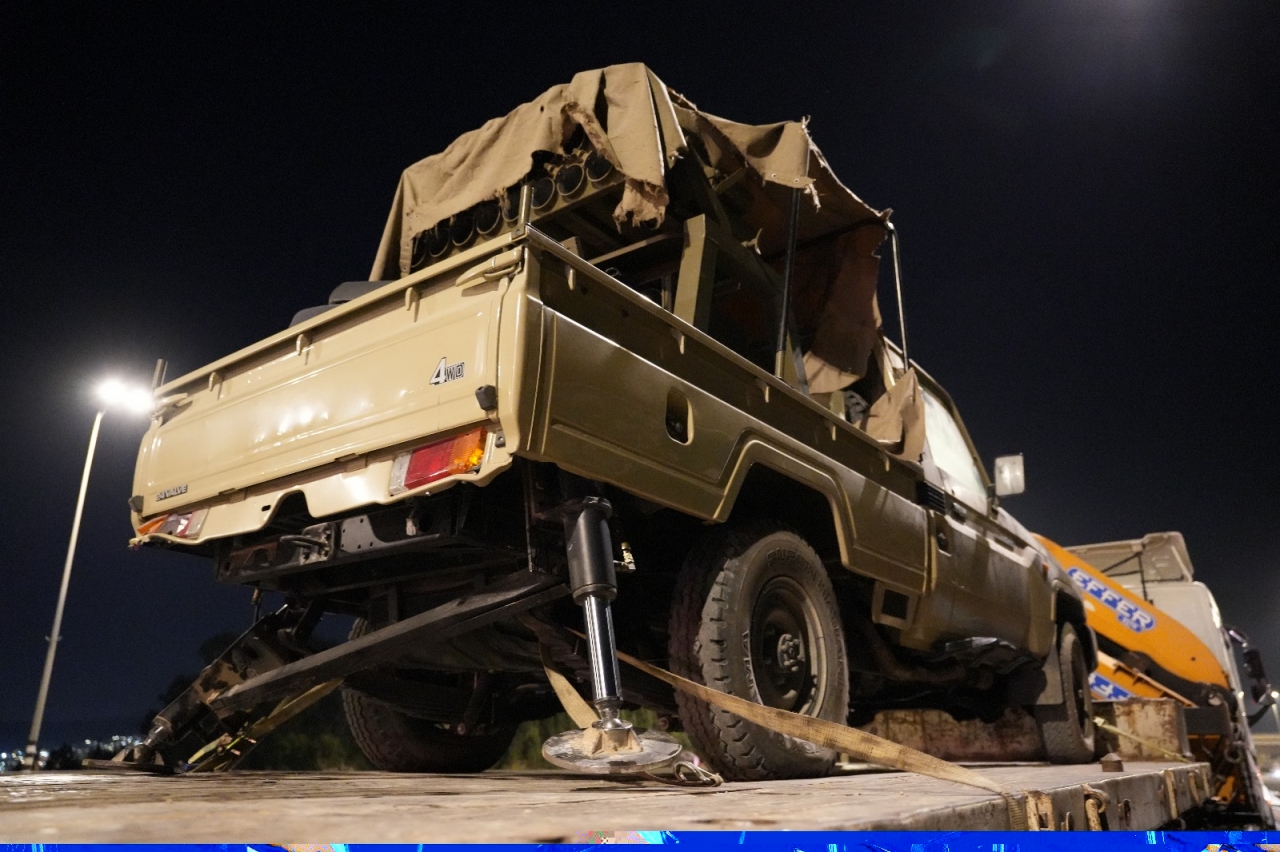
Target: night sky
{"x": 1087, "y": 192}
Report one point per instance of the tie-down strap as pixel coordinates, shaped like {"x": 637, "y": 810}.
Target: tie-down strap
{"x": 859, "y": 745}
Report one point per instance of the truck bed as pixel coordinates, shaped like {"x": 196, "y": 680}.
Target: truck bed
{"x": 554, "y": 807}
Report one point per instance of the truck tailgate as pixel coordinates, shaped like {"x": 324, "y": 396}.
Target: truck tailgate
{"x": 373, "y": 374}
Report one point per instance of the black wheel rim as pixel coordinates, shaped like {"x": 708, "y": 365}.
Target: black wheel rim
{"x": 787, "y": 654}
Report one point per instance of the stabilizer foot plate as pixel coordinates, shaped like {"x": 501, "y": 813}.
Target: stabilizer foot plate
{"x": 588, "y": 751}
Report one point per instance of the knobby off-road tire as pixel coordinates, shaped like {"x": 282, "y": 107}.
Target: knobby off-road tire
{"x": 1067, "y": 729}
{"x": 397, "y": 742}
{"x": 754, "y": 615}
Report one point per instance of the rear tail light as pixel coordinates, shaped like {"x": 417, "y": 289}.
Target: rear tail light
{"x": 424, "y": 465}
{"x": 176, "y": 524}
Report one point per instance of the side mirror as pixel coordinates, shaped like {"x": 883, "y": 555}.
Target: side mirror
{"x": 1253, "y": 664}
{"x": 1010, "y": 476}
{"x": 1261, "y": 687}
{"x": 1263, "y": 694}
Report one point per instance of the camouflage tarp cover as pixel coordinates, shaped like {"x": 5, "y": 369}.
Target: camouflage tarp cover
{"x": 631, "y": 117}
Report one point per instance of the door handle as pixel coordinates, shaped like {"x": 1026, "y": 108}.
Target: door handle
{"x": 958, "y": 511}
{"x": 1007, "y": 543}
{"x": 944, "y": 544}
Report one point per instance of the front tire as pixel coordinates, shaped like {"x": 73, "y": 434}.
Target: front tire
{"x": 754, "y": 615}
{"x": 1067, "y": 729}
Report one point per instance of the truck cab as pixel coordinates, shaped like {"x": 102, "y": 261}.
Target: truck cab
{"x": 1168, "y": 640}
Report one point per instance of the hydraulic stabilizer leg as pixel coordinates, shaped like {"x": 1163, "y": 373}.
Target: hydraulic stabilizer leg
{"x": 610, "y": 745}
{"x": 604, "y": 662}
{"x": 594, "y": 584}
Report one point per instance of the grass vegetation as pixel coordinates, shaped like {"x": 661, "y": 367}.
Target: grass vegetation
{"x": 317, "y": 739}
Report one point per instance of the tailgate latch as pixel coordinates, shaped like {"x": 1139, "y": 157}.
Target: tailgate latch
{"x": 498, "y": 266}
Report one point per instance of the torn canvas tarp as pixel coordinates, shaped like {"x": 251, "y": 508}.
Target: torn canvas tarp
{"x": 614, "y": 106}
{"x": 897, "y": 420}
{"x": 643, "y": 129}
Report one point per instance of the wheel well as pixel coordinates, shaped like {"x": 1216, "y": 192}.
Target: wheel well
{"x": 664, "y": 540}
{"x": 768, "y": 494}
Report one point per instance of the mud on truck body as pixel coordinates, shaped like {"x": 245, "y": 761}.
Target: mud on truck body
{"x": 619, "y": 364}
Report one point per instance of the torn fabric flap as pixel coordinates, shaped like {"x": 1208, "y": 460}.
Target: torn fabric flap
{"x": 896, "y": 420}
{"x": 836, "y": 298}
{"x": 821, "y": 377}
{"x": 779, "y": 153}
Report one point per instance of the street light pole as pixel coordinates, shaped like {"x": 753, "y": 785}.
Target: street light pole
{"x": 111, "y": 394}
{"x": 33, "y": 738}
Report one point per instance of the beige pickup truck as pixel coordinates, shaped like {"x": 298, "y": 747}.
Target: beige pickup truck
{"x": 619, "y": 367}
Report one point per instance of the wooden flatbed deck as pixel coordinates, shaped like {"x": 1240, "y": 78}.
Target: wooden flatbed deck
{"x": 542, "y": 807}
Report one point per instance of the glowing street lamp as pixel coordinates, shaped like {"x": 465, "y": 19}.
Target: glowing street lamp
{"x": 114, "y": 393}
{"x": 111, "y": 394}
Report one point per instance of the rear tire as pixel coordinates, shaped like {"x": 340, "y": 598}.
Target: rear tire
{"x": 1067, "y": 729}
{"x": 754, "y": 615}
{"x": 397, "y": 742}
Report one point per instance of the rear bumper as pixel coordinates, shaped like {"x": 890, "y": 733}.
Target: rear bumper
{"x": 332, "y": 490}
{"x": 441, "y": 536}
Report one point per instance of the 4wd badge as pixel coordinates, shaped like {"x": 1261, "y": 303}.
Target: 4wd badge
{"x": 446, "y": 372}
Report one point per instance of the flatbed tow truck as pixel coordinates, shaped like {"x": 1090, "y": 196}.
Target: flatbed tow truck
{"x": 559, "y": 807}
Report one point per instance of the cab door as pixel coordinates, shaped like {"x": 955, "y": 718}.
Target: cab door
{"x": 977, "y": 558}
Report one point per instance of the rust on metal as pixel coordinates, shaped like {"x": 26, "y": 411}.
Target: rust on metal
{"x": 1011, "y": 737}
{"x": 1146, "y": 728}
